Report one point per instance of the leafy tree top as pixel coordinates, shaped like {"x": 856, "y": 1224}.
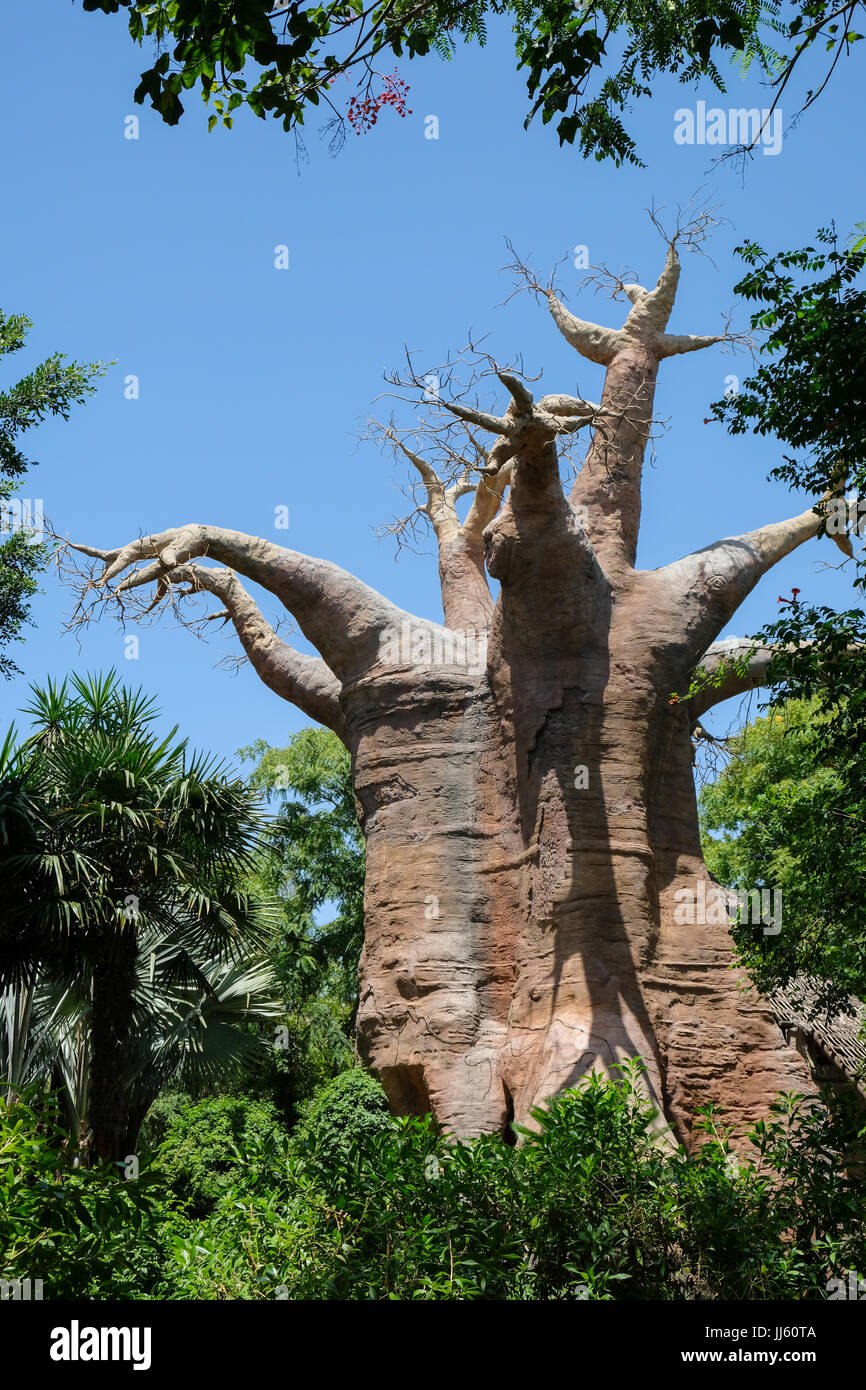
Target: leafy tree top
{"x": 50, "y": 389}
{"x": 585, "y": 64}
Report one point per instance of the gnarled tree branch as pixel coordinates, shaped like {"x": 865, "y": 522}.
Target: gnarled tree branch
{"x": 305, "y": 681}
{"x": 341, "y": 616}
{"x": 607, "y": 491}
{"x": 708, "y": 586}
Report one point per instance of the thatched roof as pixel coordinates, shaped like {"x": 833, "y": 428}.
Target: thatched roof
{"x": 840, "y": 1036}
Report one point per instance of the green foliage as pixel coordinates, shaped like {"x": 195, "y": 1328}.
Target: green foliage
{"x": 165, "y": 1109}
{"x": 592, "y": 1205}
{"x": 808, "y": 389}
{"x": 564, "y": 46}
{"x": 125, "y": 861}
{"x": 201, "y": 1153}
{"x": 586, "y": 64}
{"x": 96, "y": 806}
{"x": 803, "y": 815}
{"x": 315, "y": 846}
{"x": 703, "y": 680}
{"x": 781, "y": 815}
{"x": 190, "y": 1013}
{"x": 87, "y": 1233}
{"x": 50, "y": 389}
{"x": 313, "y": 860}
{"x": 342, "y": 1117}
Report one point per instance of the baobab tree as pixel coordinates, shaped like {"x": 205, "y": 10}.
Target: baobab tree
{"x": 523, "y": 770}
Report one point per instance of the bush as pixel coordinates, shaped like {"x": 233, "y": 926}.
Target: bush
{"x": 166, "y": 1108}
{"x": 590, "y": 1206}
{"x": 342, "y": 1118}
{"x": 86, "y": 1233}
{"x": 202, "y": 1152}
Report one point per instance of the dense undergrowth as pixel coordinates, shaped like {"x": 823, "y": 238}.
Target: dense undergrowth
{"x": 356, "y": 1205}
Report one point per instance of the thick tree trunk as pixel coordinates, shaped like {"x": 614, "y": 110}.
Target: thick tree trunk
{"x": 520, "y": 929}
{"x": 112, "y": 1044}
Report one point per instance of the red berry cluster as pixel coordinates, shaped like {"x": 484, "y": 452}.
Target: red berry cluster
{"x": 364, "y": 113}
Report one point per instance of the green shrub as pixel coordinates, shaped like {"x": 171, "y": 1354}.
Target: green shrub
{"x": 342, "y": 1117}
{"x": 86, "y": 1233}
{"x": 166, "y": 1108}
{"x": 202, "y": 1152}
{"x": 591, "y": 1205}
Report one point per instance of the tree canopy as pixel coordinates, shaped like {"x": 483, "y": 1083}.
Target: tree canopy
{"x": 780, "y": 815}
{"x": 798, "y": 781}
{"x": 586, "y": 64}
{"x": 313, "y": 861}
{"x": 50, "y": 389}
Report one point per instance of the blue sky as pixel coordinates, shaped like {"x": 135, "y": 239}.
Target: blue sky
{"x": 255, "y": 382}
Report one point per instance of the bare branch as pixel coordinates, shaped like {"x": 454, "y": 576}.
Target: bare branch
{"x": 488, "y": 494}
{"x": 466, "y": 599}
{"x": 651, "y": 309}
{"x": 734, "y": 667}
{"x": 494, "y": 423}
{"x": 568, "y": 405}
{"x": 675, "y": 343}
{"x": 707, "y": 587}
{"x": 692, "y": 225}
{"x": 614, "y": 283}
{"x": 659, "y": 302}
{"x": 306, "y": 681}
{"x": 432, "y": 481}
{"x": 338, "y": 614}
{"x": 591, "y": 340}
{"x": 520, "y": 394}
{"x": 737, "y": 666}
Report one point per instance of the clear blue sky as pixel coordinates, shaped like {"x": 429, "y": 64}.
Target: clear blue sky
{"x": 255, "y": 382}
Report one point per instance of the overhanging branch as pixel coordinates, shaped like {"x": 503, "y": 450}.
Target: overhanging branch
{"x": 707, "y": 587}
{"x": 306, "y": 681}
{"x": 337, "y": 613}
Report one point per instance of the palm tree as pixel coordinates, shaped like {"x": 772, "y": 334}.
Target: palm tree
{"x": 112, "y": 840}
{"x": 187, "y": 1024}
